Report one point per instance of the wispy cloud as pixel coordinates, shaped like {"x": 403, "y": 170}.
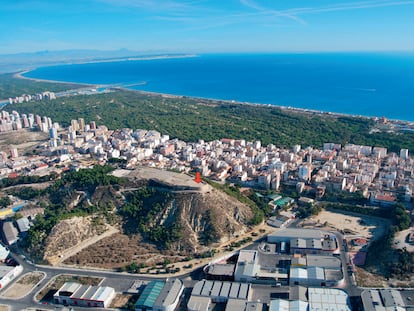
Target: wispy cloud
{"x": 196, "y": 15}
{"x": 347, "y": 7}
{"x": 277, "y": 13}
{"x": 150, "y": 5}
{"x": 296, "y": 13}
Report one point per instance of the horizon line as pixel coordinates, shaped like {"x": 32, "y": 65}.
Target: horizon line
{"x": 158, "y": 53}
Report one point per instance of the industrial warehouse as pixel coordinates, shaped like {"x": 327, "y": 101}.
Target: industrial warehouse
{"x": 75, "y": 294}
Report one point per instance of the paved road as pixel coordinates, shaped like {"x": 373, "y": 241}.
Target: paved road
{"x": 121, "y": 282}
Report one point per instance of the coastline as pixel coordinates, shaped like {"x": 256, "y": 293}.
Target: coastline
{"x": 132, "y": 58}
{"x": 20, "y": 75}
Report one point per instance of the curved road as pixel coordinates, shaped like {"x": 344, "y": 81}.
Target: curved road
{"x": 120, "y": 281}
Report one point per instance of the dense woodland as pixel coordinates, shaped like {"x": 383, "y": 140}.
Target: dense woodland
{"x": 12, "y": 87}
{"x": 192, "y": 119}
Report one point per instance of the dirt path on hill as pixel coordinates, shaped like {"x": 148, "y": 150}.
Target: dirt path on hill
{"x": 56, "y": 260}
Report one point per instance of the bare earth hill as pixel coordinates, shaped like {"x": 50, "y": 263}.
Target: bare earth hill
{"x": 151, "y": 222}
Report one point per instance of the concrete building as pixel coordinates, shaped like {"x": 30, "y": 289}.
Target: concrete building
{"x": 220, "y": 272}
{"x": 75, "y": 294}
{"x": 160, "y": 296}
{"x": 383, "y": 199}
{"x": 169, "y": 296}
{"x": 10, "y": 233}
{"x": 206, "y": 294}
{"x": 404, "y": 153}
{"x": 316, "y": 299}
{"x": 331, "y": 299}
{"x": 249, "y": 270}
{"x": 288, "y": 305}
{"x": 305, "y": 241}
{"x": 149, "y": 295}
{"x": 4, "y": 253}
{"x": 247, "y": 266}
{"x": 287, "y": 234}
{"x": 305, "y": 246}
{"x": 23, "y": 225}
{"x": 382, "y": 299}
{"x": 326, "y": 262}
{"x": 305, "y": 172}
{"x": 8, "y": 274}
{"x": 309, "y": 276}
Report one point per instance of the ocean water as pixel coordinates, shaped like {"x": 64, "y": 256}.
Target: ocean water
{"x": 368, "y": 84}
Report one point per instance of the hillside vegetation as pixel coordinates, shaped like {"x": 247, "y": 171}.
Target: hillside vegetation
{"x": 180, "y": 224}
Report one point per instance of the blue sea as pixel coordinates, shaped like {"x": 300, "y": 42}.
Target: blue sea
{"x": 368, "y": 84}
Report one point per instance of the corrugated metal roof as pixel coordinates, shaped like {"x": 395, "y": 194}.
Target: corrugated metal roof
{"x": 298, "y": 273}
{"x": 216, "y": 289}
{"x": 198, "y": 287}
{"x": 298, "y": 305}
{"x": 225, "y": 289}
{"x": 234, "y": 290}
{"x": 208, "y": 285}
{"x": 328, "y": 299}
{"x": 391, "y": 298}
{"x": 150, "y": 294}
{"x": 285, "y": 305}
{"x": 90, "y": 293}
{"x": 103, "y": 293}
{"x": 279, "y": 305}
{"x": 23, "y": 224}
{"x": 170, "y": 293}
{"x": 235, "y": 305}
{"x": 80, "y": 291}
{"x": 70, "y": 287}
{"x": 197, "y": 303}
{"x": 316, "y": 273}
{"x": 10, "y": 232}
{"x": 244, "y": 290}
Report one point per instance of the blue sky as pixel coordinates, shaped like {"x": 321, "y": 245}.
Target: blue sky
{"x": 207, "y": 25}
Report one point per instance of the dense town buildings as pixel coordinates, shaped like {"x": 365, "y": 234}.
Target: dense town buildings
{"x": 381, "y": 177}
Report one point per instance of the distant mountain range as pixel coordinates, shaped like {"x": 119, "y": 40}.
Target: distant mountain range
{"x": 24, "y": 61}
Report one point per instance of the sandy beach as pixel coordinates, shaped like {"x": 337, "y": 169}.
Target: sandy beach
{"x": 20, "y": 75}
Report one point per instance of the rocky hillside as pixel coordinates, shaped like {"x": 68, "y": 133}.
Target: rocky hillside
{"x": 188, "y": 224}
{"x": 70, "y": 236}
{"x": 145, "y": 219}
{"x": 209, "y": 218}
